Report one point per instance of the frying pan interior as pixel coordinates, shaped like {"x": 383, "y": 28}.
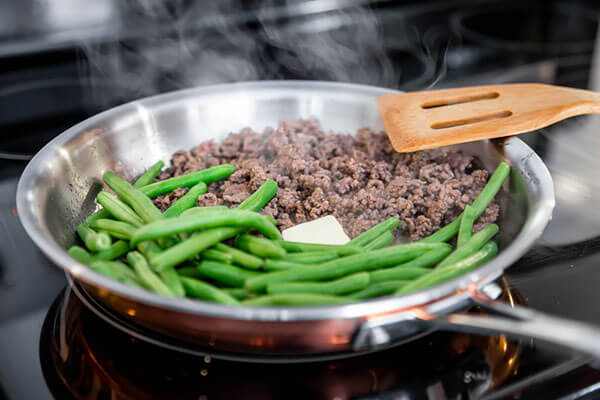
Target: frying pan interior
{"x": 57, "y": 191}
{"x": 140, "y": 134}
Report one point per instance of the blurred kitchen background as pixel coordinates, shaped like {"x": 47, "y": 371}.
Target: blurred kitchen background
{"x": 64, "y": 60}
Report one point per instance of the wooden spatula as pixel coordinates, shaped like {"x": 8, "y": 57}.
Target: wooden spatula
{"x": 423, "y": 120}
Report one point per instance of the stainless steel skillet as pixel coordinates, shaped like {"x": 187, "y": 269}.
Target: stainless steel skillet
{"x": 59, "y": 185}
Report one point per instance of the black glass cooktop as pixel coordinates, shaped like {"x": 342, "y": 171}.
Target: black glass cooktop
{"x": 52, "y": 346}
{"x": 78, "y": 347}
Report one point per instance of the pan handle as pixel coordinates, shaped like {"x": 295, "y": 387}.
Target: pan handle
{"x": 512, "y": 320}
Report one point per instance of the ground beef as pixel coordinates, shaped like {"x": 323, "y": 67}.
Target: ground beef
{"x": 359, "y": 179}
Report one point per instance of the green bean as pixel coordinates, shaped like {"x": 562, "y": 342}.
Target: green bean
{"x": 280, "y": 265}
{"x": 271, "y": 219}
{"x": 261, "y": 197}
{"x": 381, "y": 241}
{"x": 437, "y": 276}
{"x": 81, "y": 255}
{"x": 106, "y": 269}
{"x": 116, "y": 250}
{"x": 378, "y": 289}
{"x": 299, "y": 247}
{"x": 118, "y": 209}
{"x": 484, "y": 198}
{"x": 225, "y": 273}
{"x": 343, "y": 266}
{"x": 118, "y": 229}
{"x": 203, "y": 240}
{"x": 172, "y": 280}
{"x": 204, "y": 291}
{"x": 400, "y": 274}
{"x": 444, "y": 234}
{"x": 420, "y": 263}
{"x": 240, "y": 257}
{"x": 259, "y": 246}
{"x": 147, "y": 177}
{"x": 217, "y": 209}
{"x": 190, "y": 247}
{"x": 191, "y": 272}
{"x": 106, "y": 233}
{"x": 315, "y": 257}
{"x": 492, "y": 187}
{"x": 168, "y": 275}
{"x": 465, "y": 229}
{"x": 375, "y": 231}
{"x": 296, "y": 299}
{"x": 146, "y": 276}
{"x": 216, "y": 255}
{"x": 93, "y": 240}
{"x": 119, "y": 269}
{"x": 238, "y": 293}
{"x": 347, "y": 284}
{"x": 149, "y": 249}
{"x": 231, "y": 218}
{"x": 204, "y": 209}
{"x": 141, "y": 204}
{"x": 100, "y": 214}
{"x": 471, "y": 246}
{"x": 188, "y": 180}
{"x": 155, "y": 189}
{"x": 186, "y": 201}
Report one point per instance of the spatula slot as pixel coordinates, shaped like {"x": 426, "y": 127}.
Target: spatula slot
{"x": 460, "y": 100}
{"x": 467, "y": 121}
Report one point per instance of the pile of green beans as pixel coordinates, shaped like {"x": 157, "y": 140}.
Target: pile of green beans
{"x": 237, "y": 256}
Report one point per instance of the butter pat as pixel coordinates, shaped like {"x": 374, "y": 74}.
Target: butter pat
{"x": 326, "y": 230}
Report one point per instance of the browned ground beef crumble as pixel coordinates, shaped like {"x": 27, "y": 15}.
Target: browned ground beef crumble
{"x": 359, "y": 179}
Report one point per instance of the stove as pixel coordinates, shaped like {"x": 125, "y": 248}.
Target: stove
{"x": 77, "y": 347}
{"x": 68, "y": 67}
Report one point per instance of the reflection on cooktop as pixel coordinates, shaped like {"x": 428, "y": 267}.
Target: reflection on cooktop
{"x": 77, "y": 347}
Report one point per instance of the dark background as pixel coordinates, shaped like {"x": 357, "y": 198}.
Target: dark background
{"x": 62, "y": 61}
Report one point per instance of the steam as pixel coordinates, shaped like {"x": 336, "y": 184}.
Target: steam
{"x": 436, "y": 51}
{"x": 181, "y": 44}
{"x": 343, "y": 45}
{"x": 170, "y": 52}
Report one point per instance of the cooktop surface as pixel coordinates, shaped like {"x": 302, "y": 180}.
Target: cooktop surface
{"x": 54, "y": 346}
